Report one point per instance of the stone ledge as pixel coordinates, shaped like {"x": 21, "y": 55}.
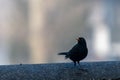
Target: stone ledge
{"x": 62, "y": 71}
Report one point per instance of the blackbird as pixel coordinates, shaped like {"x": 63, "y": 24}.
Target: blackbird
{"x": 78, "y": 52}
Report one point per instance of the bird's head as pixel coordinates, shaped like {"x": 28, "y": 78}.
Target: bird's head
{"x": 81, "y": 40}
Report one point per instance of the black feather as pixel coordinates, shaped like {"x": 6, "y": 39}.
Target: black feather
{"x": 63, "y": 53}
{"x": 78, "y": 52}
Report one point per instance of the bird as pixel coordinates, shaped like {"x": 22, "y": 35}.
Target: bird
{"x": 78, "y": 52}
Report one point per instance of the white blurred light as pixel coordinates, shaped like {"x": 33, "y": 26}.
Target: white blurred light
{"x": 101, "y": 31}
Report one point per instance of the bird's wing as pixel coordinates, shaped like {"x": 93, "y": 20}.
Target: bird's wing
{"x": 75, "y": 49}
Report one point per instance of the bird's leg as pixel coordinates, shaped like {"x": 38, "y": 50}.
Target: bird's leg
{"x": 78, "y": 62}
{"x": 74, "y": 63}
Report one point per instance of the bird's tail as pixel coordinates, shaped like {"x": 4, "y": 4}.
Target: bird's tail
{"x": 64, "y": 53}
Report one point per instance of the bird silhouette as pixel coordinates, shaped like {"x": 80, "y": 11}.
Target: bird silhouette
{"x": 78, "y": 52}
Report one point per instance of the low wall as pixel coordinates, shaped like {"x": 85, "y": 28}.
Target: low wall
{"x": 62, "y": 71}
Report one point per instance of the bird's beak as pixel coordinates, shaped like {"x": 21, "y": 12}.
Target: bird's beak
{"x": 77, "y": 39}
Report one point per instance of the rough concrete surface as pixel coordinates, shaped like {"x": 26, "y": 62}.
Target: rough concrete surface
{"x": 62, "y": 71}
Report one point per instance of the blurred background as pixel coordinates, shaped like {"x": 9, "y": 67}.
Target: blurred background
{"x": 35, "y": 31}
